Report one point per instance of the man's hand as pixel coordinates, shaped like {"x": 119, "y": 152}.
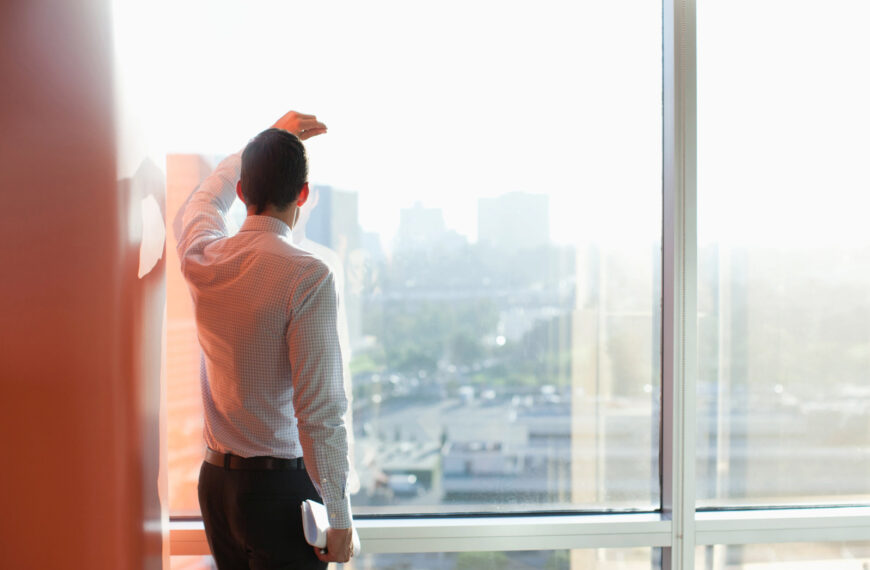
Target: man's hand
{"x": 303, "y": 126}
{"x": 339, "y": 545}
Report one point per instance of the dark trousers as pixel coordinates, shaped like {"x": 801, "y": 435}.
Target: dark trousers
{"x": 252, "y": 518}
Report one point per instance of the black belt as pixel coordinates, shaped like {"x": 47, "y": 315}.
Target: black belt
{"x": 265, "y": 463}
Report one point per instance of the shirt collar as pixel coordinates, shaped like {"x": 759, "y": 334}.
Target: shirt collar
{"x": 265, "y": 224}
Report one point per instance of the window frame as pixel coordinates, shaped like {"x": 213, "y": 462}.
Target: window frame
{"x": 679, "y": 527}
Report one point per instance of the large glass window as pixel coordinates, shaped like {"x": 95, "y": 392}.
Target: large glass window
{"x": 489, "y": 195}
{"x": 784, "y": 253}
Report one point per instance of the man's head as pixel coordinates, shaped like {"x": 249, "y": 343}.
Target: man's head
{"x": 274, "y": 171}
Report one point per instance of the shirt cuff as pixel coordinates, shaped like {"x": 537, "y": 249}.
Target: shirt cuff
{"x": 339, "y": 513}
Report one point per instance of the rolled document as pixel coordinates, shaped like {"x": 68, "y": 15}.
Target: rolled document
{"x": 315, "y": 523}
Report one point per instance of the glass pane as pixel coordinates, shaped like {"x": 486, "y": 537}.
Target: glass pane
{"x": 610, "y": 559}
{"x": 784, "y": 253}
{"x": 489, "y": 195}
{"x": 788, "y": 556}
{"x": 602, "y": 559}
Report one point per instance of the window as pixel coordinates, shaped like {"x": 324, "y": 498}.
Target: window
{"x": 499, "y": 264}
{"x": 783, "y": 255}
{"x": 693, "y": 374}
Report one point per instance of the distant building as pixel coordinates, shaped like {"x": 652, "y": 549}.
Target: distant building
{"x": 372, "y": 246}
{"x": 332, "y": 225}
{"x": 334, "y": 220}
{"x": 516, "y": 220}
{"x": 420, "y": 227}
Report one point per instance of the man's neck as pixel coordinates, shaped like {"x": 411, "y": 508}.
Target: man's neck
{"x": 288, "y": 216}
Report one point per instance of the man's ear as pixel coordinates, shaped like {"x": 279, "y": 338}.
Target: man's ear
{"x": 303, "y": 195}
{"x": 239, "y": 191}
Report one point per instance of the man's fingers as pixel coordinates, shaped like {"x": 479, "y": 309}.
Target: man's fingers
{"x": 294, "y": 116}
{"x": 310, "y": 123}
{"x": 339, "y": 546}
{"x": 309, "y": 127}
{"x": 300, "y": 124}
{"x": 327, "y": 557}
{"x": 310, "y": 133}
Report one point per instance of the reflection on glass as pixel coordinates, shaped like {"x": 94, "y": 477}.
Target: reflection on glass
{"x": 790, "y": 556}
{"x": 784, "y": 254}
{"x": 602, "y": 559}
{"x": 191, "y": 563}
{"x": 500, "y": 272}
{"x": 184, "y": 418}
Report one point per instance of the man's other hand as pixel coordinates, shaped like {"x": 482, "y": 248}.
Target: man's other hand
{"x": 339, "y": 545}
{"x": 303, "y": 126}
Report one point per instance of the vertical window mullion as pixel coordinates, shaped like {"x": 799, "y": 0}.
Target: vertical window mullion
{"x": 679, "y": 281}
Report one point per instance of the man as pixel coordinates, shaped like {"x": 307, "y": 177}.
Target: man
{"x": 272, "y": 382}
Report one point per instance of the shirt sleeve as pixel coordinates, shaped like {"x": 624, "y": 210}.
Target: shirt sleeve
{"x": 319, "y": 397}
{"x": 204, "y": 217}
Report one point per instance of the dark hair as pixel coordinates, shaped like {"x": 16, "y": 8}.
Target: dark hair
{"x": 274, "y": 170}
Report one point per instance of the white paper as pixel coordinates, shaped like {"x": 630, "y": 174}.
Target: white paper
{"x": 315, "y": 523}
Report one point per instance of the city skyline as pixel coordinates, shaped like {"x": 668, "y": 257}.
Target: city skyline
{"x": 595, "y": 343}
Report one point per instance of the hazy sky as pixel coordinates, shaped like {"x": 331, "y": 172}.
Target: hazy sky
{"x": 784, "y": 122}
{"x": 444, "y": 102}
{"x": 438, "y": 102}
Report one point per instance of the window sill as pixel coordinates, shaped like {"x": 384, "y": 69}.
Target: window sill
{"x": 782, "y": 525}
{"x": 556, "y": 532}
{"x": 550, "y": 532}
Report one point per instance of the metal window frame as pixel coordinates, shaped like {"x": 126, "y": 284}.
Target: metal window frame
{"x": 550, "y": 532}
{"x": 679, "y": 528}
{"x": 733, "y": 527}
{"x": 679, "y": 279}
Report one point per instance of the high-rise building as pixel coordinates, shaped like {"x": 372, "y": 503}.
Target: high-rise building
{"x": 517, "y": 220}
{"x": 420, "y": 227}
{"x": 329, "y": 227}
{"x": 334, "y": 219}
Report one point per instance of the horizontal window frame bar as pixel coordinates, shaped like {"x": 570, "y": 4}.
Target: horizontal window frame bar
{"x": 514, "y": 533}
{"x": 461, "y": 534}
{"x": 386, "y": 535}
{"x": 835, "y": 524}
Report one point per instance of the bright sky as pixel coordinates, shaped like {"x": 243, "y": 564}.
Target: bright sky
{"x": 444, "y": 102}
{"x": 438, "y": 102}
{"x": 784, "y": 122}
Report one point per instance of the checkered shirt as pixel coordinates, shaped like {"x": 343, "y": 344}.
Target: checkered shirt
{"x": 266, "y": 318}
